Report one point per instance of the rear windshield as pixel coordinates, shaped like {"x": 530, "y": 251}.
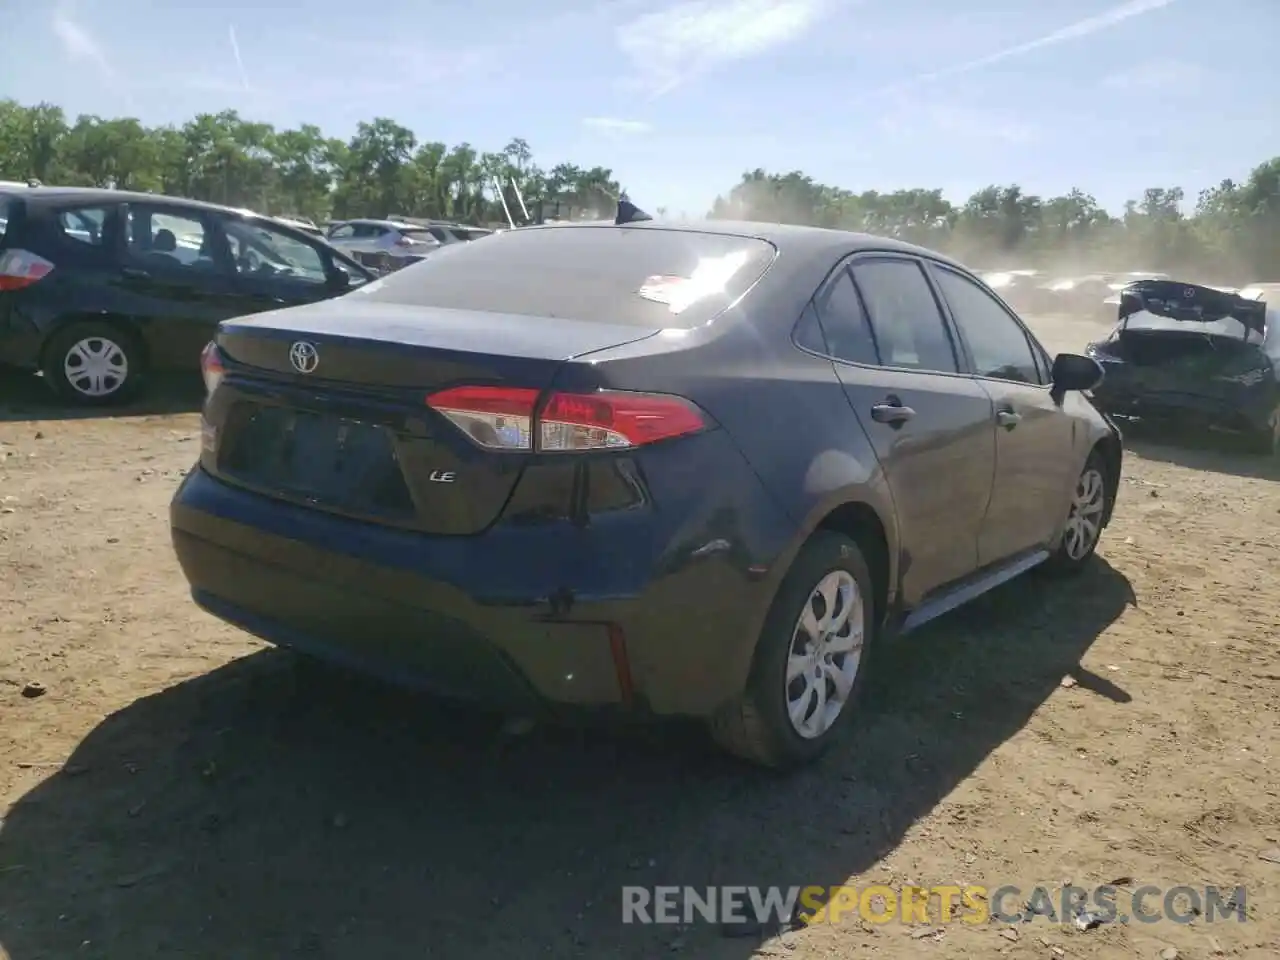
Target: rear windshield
{"x": 646, "y": 277}
{"x": 5, "y": 204}
{"x": 417, "y": 233}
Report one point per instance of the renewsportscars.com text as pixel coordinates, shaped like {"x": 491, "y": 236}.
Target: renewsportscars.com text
{"x": 929, "y": 905}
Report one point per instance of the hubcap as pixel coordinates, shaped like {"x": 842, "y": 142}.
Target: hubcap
{"x": 96, "y": 367}
{"x": 1084, "y": 521}
{"x": 826, "y": 651}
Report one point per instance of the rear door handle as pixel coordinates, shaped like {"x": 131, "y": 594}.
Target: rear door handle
{"x": 893, "y": 413}
{"x": 135, "y": 273}
{"x": 1008, "y": 419}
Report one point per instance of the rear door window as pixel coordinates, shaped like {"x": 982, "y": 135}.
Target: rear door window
{"x": 83, "y": 225}
{"x": 646, "y": 277}
{"x": 904, "y": 315}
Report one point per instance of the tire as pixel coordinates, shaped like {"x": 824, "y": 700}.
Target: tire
{"x": 86, "y": 345}
{"x": 1072, "y": 554}
{"x": 756, "y": 726}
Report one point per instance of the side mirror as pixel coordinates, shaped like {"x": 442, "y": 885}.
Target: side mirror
{"x": 340, "y": 280}
{"x": 1071, "y": 371}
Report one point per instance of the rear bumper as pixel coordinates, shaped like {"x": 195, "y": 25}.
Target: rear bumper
{"x": 494, "y": 619}
{"x": 19, "y": 338}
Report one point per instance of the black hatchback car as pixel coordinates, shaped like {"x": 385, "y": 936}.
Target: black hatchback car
{"x": 100, "y": 287}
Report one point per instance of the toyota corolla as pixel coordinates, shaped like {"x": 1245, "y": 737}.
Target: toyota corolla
{"x": 637, "y": 467}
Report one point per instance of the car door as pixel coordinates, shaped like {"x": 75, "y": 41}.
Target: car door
{"x": 930, "y": 424}
{"x": 175, "y": 279}
{"x": 1035, "y": 450}
{"x": 273, "y": 267}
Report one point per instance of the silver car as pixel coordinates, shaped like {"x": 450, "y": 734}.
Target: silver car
{"x": 377, "y": 240}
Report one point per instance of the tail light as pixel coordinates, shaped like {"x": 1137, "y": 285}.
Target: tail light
{"x": 21, "y": 268}
{"x": 404, "y": 242}
{"x": 510, "y": 418}
{"x": 211, "y": 367}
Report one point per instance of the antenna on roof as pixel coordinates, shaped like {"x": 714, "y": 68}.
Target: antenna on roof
{"x": 515, "y": 187}
{"x": 628, "y": 212}
{"x": 497, "y": 188}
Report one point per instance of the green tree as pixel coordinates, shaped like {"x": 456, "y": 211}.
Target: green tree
{"x": 1231, "y": 235}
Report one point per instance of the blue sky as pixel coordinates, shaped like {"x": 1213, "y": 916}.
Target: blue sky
{"x": 679, "y": 98}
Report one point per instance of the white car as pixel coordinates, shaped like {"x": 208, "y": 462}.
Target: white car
{"x": 373, "y": 238}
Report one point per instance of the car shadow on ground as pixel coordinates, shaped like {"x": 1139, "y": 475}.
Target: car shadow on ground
{"x": 1199, "y": 450}
{"x": 265, "y": 810}
{"x": 25, "y": 397}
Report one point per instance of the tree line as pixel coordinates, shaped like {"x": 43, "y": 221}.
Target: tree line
{"x": 1230, "y": 233}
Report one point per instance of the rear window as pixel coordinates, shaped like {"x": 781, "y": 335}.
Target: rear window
{"x": 83, "y": 224}
{"x": 646, "y": 277}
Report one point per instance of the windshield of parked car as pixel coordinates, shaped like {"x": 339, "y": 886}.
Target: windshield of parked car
{"x": 647, "y": 277}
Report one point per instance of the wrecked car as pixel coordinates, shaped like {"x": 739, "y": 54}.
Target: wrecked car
{"x": 1194, "y": 354}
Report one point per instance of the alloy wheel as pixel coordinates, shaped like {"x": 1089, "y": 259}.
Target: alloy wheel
{"x": 1084, "y": 520}
{"x": 825, "y": 654}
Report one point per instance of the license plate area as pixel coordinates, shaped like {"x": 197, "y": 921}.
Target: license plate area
{"x": 320, "y": 459}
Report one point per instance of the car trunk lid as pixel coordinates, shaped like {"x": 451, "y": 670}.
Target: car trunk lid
{"x": 325, "y": 406}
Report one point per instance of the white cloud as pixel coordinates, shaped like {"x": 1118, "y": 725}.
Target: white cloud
{"x": 616, "y": 125}
{"x": 1075, "y": 31}
{"x": 235, "y": 52}
{"x": 669, "y": 47}
{"x": 80, "y": 44}
{"x": 1156, "y": 75}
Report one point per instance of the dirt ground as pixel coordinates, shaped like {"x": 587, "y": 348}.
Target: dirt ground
{"x": 180, "y": 790}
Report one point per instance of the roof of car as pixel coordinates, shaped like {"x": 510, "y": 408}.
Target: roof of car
{"x": 375, "y": 222}
{"x": 788, "y": 238}
{"x": 102, "y": 195}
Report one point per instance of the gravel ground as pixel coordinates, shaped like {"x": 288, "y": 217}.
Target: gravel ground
{"x": 180, "y": 790}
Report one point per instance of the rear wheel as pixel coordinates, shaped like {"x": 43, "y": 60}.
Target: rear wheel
{"x": 1088, "y": 507}
{"x": 93, "y": 363}
{"x": 810, "y": 661}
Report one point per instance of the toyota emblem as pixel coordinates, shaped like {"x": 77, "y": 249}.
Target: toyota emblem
{"x": 304, "y": 357}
